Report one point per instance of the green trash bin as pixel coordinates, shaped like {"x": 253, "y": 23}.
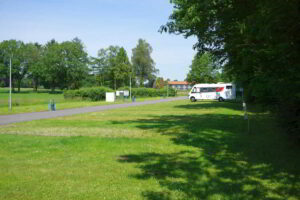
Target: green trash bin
{"x": 52, "y": 105}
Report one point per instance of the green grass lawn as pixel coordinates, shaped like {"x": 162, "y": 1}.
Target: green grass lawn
{"x": 178, "y": 150}
{"x": 29, "y": 101}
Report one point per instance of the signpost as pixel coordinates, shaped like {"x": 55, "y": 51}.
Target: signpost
{"x": 110, "y": 97}
{"x": 126, "y": 93}
{"x": 246, "y": 117}
{"x": 167, "y": 89}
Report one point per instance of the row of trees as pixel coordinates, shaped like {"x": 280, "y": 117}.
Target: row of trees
{"x": 257, "y": 43}
{"x": 66, "y": 65}
{"x": 61, "y": 65}
{"x": 112, "y": 66}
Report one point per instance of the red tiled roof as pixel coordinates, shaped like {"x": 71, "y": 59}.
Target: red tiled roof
{"x": 178, "y": 83}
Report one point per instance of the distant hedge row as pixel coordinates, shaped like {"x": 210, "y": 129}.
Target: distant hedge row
{"x": 93, "y": 93}
{"x": 150, "y": 92}
{"x": 98, "y": 93}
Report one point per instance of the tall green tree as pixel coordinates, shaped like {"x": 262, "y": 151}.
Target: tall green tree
{"x": 258, "y": 42}
{"x": 203, "y": 69}
{"x": 75, "y": 62}
{"x": 143, "y": 64}
{"x": 55, "y": 74}
{"x": 17, "y": 52}
{"x": 112, "y": 67}
{"x": 66, "y": 64}
{"x": 99, "y": 67}
{"x": 122, "y": 69}
{"x": 4, "y": 64}
{"x": 35, "y": 62}
{"x": 109, "y": 59}
{"x": 26, "y": 61}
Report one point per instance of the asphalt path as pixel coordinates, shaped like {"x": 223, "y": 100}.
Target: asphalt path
{"x": 9, "y": 119}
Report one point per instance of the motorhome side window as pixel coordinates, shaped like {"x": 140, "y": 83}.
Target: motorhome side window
{"x": 203, "y": 89}
{"x": 196, "y": 90}
{"x": 228, "y": 87}
{"x": 212, "y": 89}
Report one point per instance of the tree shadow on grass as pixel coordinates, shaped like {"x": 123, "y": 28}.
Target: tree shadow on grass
{"x": 230, "y": 104}
{"x": 211, "y": 104}
{"x": 223, "y": 161}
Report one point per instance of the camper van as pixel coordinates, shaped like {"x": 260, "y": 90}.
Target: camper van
{"x": 219, "y": 91}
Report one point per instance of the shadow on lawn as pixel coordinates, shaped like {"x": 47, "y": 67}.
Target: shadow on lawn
{"x": 211, "y": 104}
{"x": 224, "y": 162}
{"x": 229, "y": 104}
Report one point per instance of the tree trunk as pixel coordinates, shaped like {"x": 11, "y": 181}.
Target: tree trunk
{"x": 19, "y": 85}
{"x": 35, "y": 85}
{"x": 12, "y": 85}
{"x": 52, "y": 86}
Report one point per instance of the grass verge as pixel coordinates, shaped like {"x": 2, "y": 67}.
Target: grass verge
{"x": 28, "y": 101}
{"x": 175, "y": 150}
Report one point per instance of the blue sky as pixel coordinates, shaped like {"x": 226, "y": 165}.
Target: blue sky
{"x": 100, "y": 23}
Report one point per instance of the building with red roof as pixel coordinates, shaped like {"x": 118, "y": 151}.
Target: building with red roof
{"x": 180, "y": 85}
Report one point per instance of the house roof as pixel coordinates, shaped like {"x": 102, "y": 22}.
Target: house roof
{"x": 178, "y": 83}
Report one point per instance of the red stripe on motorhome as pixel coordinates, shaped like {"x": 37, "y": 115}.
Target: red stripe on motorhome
{"x": 219, "y": 89}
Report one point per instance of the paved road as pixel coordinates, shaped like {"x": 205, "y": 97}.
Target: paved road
{"x": 8, "y": 119}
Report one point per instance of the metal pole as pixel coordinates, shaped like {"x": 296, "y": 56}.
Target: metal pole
{"x": 10, "y": 83}
{"x": 167, "y": 89}
{"x": 248, "y": 125}
{"x": 130, "y": 86}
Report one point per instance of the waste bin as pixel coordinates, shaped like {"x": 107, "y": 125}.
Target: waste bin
{"x": 133, "y": 99}
{"x": 51, "y": 105}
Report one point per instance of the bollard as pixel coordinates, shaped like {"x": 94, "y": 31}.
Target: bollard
{"x": 246, "y": 117}
{"x": 133, "y": 99}
{"x": 51, "y": 105}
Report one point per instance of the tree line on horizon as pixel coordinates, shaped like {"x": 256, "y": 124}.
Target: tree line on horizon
{"x": 66, "y": 65}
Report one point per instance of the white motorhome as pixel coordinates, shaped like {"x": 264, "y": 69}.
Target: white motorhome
{"x": 219, "y": 91}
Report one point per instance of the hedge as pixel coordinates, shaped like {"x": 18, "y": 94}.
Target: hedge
{"x": 150, "y": 92}
{"x": 98, "y": 93}
{"x": 93, "y": 93}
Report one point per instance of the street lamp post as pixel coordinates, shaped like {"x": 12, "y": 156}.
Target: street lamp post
{"x": 130, "y": 87}
{"x": 10, "y": 83}
{"x": 167, "y": 89}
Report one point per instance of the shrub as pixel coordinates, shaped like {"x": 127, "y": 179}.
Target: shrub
{"x": 93, "y": 93}
{"x": 150, "y": 92}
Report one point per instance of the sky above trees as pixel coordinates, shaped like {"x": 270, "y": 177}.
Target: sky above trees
{"x": 99, "y": 24}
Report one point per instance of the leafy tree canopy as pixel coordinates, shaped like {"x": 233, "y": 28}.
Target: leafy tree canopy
{"x": 143, "y": 64}
{"x": 202, "y": 70}
{"x": 257, "y": 41}
{"x": 112, "y": 66}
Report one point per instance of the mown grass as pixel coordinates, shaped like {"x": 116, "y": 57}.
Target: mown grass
{"x": 29, "y": 101}
{"x": 177, "y": 150}
{"x": 28, "y": 97}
